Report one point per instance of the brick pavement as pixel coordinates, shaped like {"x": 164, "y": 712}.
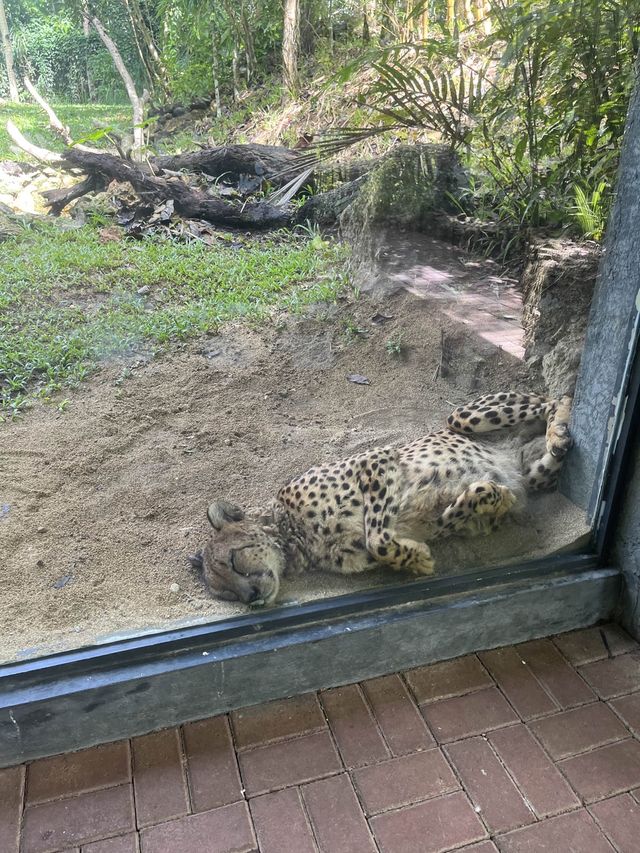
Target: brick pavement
{"x": 518, "y": 750}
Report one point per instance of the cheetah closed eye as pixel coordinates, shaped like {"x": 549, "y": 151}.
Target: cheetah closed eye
{"x": 383, "y": 506}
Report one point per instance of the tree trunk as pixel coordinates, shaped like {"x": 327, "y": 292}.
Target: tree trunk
{"x": 291, "y": 46}
{"x": 215, "y": 64}
{"x": 451, "y": 15}
{"x": 137, "y": 103}
{"x": 370, "y": 23}
{"x": 234, "y": 70}
{"x": 249, "y": 47}
{"x": 7, "y": 51}
{"x": 190, "y": 203}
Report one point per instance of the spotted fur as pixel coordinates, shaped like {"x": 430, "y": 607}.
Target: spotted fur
{"x": 383, "y": 506}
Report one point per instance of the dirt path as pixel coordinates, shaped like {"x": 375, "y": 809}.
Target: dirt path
{"x": 100, "y": 506}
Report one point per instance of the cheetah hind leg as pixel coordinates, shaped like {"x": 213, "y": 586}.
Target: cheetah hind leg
{"x": 542, "y": 473}
{"x": 478, "y": 509}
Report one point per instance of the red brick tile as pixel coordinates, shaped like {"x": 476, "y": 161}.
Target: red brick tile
{"x": 452, "y": 719}
{"x": 289, "y": 762}
{"x": 558, "y": 678}
{"x": 121, "y": 844}
{"x": 481, "y": 847}
{"x": 60, "y": 824}
{"x": 449, "y": 678}
{"x": 441, "y": 824}
{"x": 544, "y": 787}
{"x": 605, "y": 771}
{"x": 276, "y": 720}
{"x": 629, "y": 709}
{"x": 354, "y": 728}
{"x": 281, "y": 824}
{"x": 212, "y": 768}
{"x": 11, "y": 796}
{"x": 404, "y": 780}
{"x": 489, "y": 785}
{"x": 518, "y": 683}
{"x": 575, "y": 832}
{"x": 585, "y": 646}
{"x": 336, "y": 816}
{"x": 402, "y": 724}
{"x": 224, "y": 830}
{"x": 614, "y": 676}
{"x": 158, "y": 777}
{"x": 76, "y": 772}
{"x": 619, "y": 819}
{"x": 578, "y": 730}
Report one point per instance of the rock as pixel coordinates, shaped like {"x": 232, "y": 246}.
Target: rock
{"x": 557, "y": 284}
{"x": 174, "y": 587}
{"x": 144, "y": 290}
{"x": 25, "y": 201}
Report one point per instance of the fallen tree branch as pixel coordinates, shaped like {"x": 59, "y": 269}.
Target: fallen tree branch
{"x": 267, "y": 162}
{"x": 190, "y": 203}
{"x": 42, "y": 154}
{"x": 57, "y": 200}
{"x": 54, "y": 122}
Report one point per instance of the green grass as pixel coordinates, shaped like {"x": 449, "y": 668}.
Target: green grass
{"x": 81, "y": 119}
{"x": 68, "y": 302}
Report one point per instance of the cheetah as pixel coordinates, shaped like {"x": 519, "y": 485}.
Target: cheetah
{"x": 382, "y": 507}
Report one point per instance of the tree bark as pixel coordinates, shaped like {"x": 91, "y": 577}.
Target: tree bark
{"x": 370, "y": 23}
{"x": 274, "y": 163}
{"x": 137, "y": 102}
{"x": 215, "y": 67}
{"x": 291, "y": 46}
{"x": 7, "y": 51}
{"x": 190, "y": 203}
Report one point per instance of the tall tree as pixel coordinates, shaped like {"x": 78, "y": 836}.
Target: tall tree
{"x": 7, "y": 50}
{"x": 291, "y": 45}
{"x": 137, "y": 101}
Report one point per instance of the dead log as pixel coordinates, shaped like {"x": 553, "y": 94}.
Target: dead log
{"x": 190, "y": 203}
{"x": 57, "y": 200}
{"x": 274, "y": 163}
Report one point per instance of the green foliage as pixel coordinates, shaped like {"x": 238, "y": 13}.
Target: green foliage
{"x": 69, "y": 302}
{"x": 538, "y": 103}
{"x": 589, "y": 210}
{"x": 395, "y": 344}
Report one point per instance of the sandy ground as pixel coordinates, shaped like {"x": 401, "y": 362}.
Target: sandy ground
{"x": 100, "y": 505}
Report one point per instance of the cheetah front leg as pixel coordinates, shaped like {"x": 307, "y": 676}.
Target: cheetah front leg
{"x": 379, "y": 489}
{"x": 481, "y": 501}
{"x": 542, "y": 473}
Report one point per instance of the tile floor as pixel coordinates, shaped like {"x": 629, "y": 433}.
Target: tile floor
{"x": 522, "y": 749}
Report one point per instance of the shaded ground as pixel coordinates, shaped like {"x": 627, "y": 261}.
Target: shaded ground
{"x": 102, "y": 504}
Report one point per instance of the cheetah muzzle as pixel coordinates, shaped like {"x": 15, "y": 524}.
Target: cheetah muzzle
{"x": 383, "y": 507}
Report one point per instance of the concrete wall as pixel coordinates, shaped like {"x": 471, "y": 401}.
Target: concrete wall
{"x": 616, "y": 303}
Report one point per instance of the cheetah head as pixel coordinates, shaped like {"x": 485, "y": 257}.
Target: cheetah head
{"x": 242, "y": 561}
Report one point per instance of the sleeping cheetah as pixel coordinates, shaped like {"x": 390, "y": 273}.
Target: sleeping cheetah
{"x": 382, "y": 507}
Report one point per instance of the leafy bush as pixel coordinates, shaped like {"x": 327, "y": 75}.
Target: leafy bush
{"x": 54, "y": 53}
{"x": 536, "y": 99}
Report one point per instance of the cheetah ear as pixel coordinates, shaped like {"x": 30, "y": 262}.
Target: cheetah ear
{"x": 222, "y": 512}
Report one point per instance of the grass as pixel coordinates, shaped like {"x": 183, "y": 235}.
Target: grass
{"x": 69, "y": 302}
{"x": 80, "y": 118}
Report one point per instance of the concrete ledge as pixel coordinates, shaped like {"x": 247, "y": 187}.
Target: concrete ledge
{"x": 65, "y": 707}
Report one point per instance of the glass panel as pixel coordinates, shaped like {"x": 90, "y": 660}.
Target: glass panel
{"x": 166, "y": 346}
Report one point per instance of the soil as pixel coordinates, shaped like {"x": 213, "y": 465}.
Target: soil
{"x": 101, "y": 504}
